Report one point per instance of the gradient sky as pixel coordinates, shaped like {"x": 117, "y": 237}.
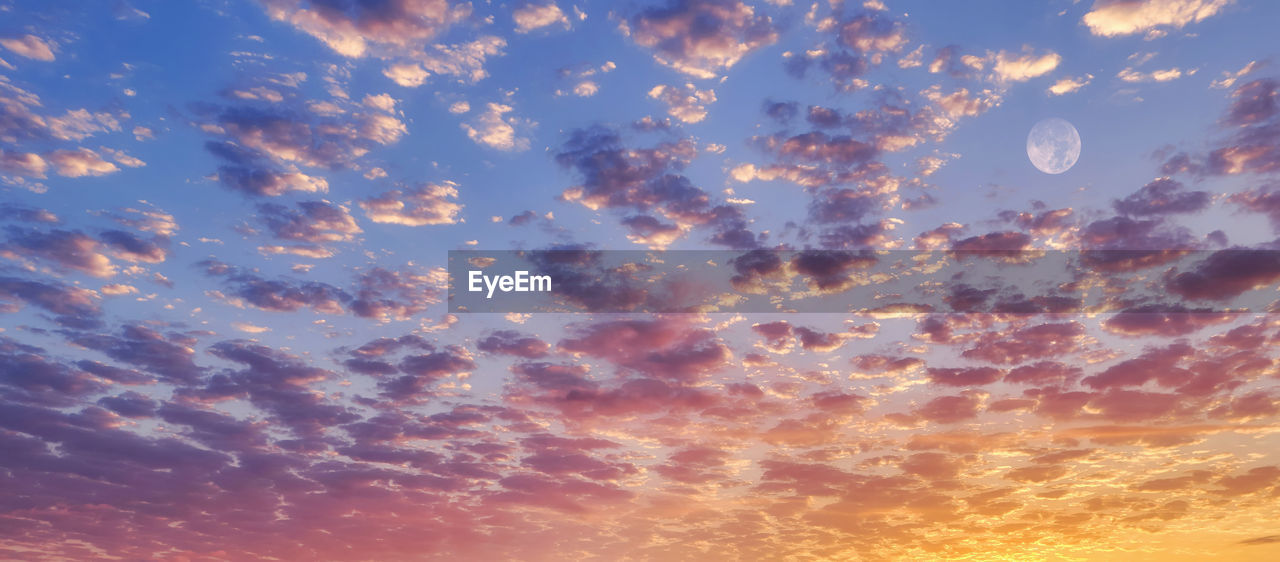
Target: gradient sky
{"x": 223, "y": 327}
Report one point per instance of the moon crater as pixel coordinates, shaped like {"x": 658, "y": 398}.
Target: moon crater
{"x": 1053, "y": 145}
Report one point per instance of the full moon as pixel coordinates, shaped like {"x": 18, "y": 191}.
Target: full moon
{"x": 1053, "y": 145}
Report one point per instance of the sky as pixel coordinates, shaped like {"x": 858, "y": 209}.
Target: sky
{"x": 224, "y": 322}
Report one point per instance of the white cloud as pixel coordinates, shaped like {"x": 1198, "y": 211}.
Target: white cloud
{"x": 685, "y": 103}
{"x": 536, "y": 16}
{"x": 962, "y": 103}
{"x": 466, "y": 61}
{"x": 117, "y": 289}
{"x": 913, "y": 59}
{"x": 79, "y": 124}
{"x": 494, "y": 130}
{"x": 259, "y": 93}
{"x": 80, "y": 162}
{"x": 123, "y": 158}
{"x": 1131, "y": 75}
{"x": 1011, "y": 67}
{"x": 428, "y": 204}
{"x": 406, "y": 74}
{"x": 29, "y": 46}
{"x": 1068, "y": 84}
{"x": 23, "y": 164}
{"x": 1110, "y": 18}
{"x": 384, "y": 29}
{"x": 381, "y": 101}
{"x": 249, "y": 328}
{"x": 1229, "y": 78}
{"x": 586, "y": 89}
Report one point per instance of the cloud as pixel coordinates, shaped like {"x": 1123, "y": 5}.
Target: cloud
{"x": 1253, "y": 103}
{"x": 644, "y": 182}
{"x": 1043, "y": 341}
{"x": 131, "y": 247}
{"x": 586, "y": 89}
{"x": 80, "y": 124}
{"x": 271, "y": 183}
{"x": 1254, "y": 143}
{"x": 426, "y": 204}
{"x": 844, "y": 149}
{"x": 74, "y": 307}
{"x": 1255, "y": 480}
{"x": 583, "y": 76}
{"x": 1020, "y": 67}
{"x": 418, "y": 372}
{"x": 409, "y": 75}
{"x": 464, "y": 61}
{"x": 818, "y": 147}
{"x": 511, "y": 342}
{"x": 1162, "y": 197}
{"x": 130, "y": 405}
{"x": 29, "y": 46}
{"x": 701, "y": 38}
{"x": 117, "y": 289}
{"x": 1229, "y": 78}
{"x": 1111, "y": 18}
{"x": 277, "y": 295}
{"x": 379, "y": 294}
{"x": 1131, "y": 75}
{"x": 152, "y": 219}
{"x": 310, "y": 229}
{"x": 532, "y": 16}
{"x": 777, "y": 335}
{"x": 1069, "y": 84}
{"x": 168, "y": 356}
{"x": 1261, "y": 200}
{"x": 686, "y": 103}
{"x": 249, "y": 328}
{"x": 955, "y": 63}
{"x": 1005, "y": 241}
{"x": 962, "y": 103}
{"x": 287, "y": 137}
{"x": 276, "y": 382}
{"x": 66, "y": 249}
{"x": 861, "y": 40}
{"x": 385, "y": 295}
{"x": 22, "y": 122}
{"x": 1143, "y": 322}
{"x": 79, "y": 163}
{"x": 263, "y": 148}
{"x": 492, "y": 129}
{"x": 950, "y": 409}
{"x": 356, "y": 28}
{"x": 664, "y": 348}
{"x": 26, "y": 376}
{"x": 1159, "y": 364}
{"x": 130, "y": 428}
{"x": 975, "y": 376}
{"x": 1044, "y": 373}
{"x": 23, "y": 164}
{"x": 1227, "y": 273}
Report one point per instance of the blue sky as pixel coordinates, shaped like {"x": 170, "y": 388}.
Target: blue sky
{"x": 225, "y": 225}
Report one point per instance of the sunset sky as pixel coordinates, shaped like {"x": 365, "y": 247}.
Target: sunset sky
{"x": 224, "y": 238}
